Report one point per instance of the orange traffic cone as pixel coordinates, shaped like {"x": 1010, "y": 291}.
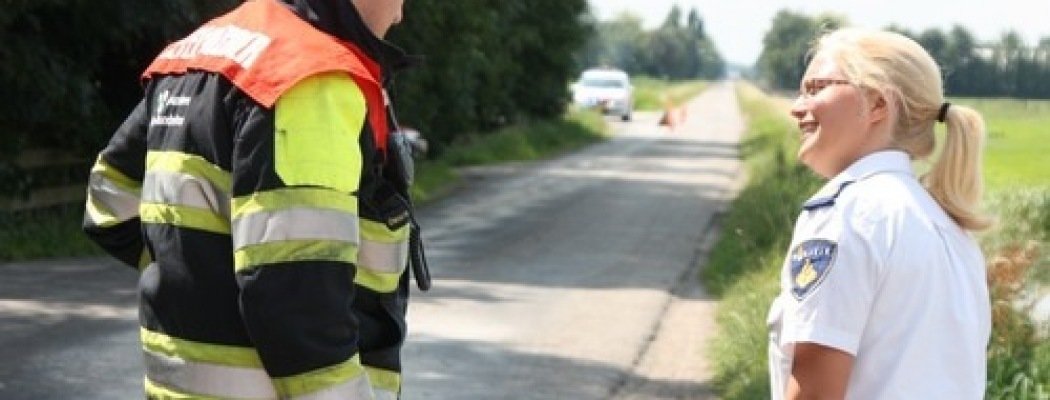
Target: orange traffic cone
{"x": 673, "y": 116}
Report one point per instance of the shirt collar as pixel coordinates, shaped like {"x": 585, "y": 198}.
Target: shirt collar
{"x": 885, "y": 161}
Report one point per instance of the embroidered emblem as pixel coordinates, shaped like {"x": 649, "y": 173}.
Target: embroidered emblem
{"x": 810, "y": 262}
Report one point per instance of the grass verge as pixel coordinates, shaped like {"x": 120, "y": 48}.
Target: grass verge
{"x": 44, "y": 233}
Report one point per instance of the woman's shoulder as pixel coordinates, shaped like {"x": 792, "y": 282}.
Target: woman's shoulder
{"x": 892, "y": 198}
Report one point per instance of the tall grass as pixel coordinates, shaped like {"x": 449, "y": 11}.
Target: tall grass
{"x": 49, "y": 232}
{"x": 744, "y": 265}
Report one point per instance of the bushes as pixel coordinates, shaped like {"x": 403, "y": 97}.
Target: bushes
{"x": 488, "y": 64}
{"x": 73, "y": 65}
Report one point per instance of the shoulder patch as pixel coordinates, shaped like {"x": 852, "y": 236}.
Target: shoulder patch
{"x": 810, "y": 262}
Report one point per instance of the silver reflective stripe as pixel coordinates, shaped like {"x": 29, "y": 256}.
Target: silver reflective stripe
{"x": 383, "y": 257}
{"x": 208, "y": 379}
{"x": 123, "y": 204}
{"x": 294, "y": 224}
{"x": 384, "y": 394}
{"x": 357, "y": 388}
{"x": 166, "y": 187}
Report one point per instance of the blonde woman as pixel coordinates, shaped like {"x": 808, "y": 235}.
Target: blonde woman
{"x": 883, "y": 291}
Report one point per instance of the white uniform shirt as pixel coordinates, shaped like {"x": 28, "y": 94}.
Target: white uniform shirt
{"x": 878, "y": 270}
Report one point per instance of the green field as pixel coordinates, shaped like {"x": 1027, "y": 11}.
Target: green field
{"x": 1018, "y": 148}
{"x": 651, "y": 93}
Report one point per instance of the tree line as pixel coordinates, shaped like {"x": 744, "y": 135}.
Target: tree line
{"x": 676, "y": 49}
{"x": 1007, "y": 67}
{"x": 70, "y": 68}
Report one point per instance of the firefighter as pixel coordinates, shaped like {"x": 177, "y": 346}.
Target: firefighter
{"x": 254, "y": 190}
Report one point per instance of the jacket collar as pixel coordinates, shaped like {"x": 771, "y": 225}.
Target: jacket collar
{"x": 340, "y": 18}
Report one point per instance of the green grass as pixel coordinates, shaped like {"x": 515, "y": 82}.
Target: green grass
{"x": 1018, "y": 142}
{"x": 55, "y": 232}
{"x": 531, "y": 141}
{"x": 526, "y": 142}
{"x": 744, "y": 265}
{"x": 44, "y": 233}
{"x": 650, "y": 93}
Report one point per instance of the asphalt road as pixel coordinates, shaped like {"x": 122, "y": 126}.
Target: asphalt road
{"x": 553, "y": 280}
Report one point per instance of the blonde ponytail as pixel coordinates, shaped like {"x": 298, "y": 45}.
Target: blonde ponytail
{"x": 955, "y": 179}
{"x": 901, "y": 69}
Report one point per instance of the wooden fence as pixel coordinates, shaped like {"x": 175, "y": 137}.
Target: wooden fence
{"x": 54, "y": 178}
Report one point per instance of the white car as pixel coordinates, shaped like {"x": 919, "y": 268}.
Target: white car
{"x": 606, "y": 88}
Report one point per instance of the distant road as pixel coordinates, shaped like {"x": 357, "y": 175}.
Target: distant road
{"x": 551, "y": 279}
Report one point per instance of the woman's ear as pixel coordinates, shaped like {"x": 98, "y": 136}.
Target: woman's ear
{"x": 878, "y": 106}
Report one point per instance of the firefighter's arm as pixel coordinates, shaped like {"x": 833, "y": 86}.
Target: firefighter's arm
{"x": 818, "y": 372}
{"x": 111, "y": 216}
{"x": 295, "y": 232}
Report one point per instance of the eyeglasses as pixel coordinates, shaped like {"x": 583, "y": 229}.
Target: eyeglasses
{"x": 811, "y": 87}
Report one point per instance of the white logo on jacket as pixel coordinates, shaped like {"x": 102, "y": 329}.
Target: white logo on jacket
{"x": 164, "y": 100}
{"x": 234, "y": 43}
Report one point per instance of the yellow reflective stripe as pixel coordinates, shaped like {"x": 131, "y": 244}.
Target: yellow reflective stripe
{"x": 179, "y": 375}
{"x": 334, "y": 376}
{"x": 100, "y": 216}
{"x": 317, "y": 124}
{"x": 377, "y": 281}
{"x": 155, "y": 391}
{"x": 112, "y": 197}
{"x": 114, "y": 175}
{"x": 290, "y": 197}
{"x": 184, "y": 217}
{"x": 122, "y": 202}
{"x": 294, "y": 224}
{"x": 160, "y": 343}
{"x": 378, "y": 232}
{"x": 384, "y": 379}
{"x": 294, "y": 250}
{"x": 145, "y": 259}
{"x": 178, "y": 188}
{"x": 174, "y": 161}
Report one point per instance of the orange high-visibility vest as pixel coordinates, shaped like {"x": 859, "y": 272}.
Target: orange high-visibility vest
{"x": 265, "y": 49}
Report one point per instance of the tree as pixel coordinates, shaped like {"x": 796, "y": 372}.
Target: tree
{"x": 935, "y": 43}
{"x": 488, "y": 63}
{"x": 64, "y": 91}
{"x": 673, "y": 50}
{"x": 782, "y": 61}
{"x": 618, "y": 43}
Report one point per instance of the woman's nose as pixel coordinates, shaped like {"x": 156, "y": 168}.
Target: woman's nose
{"x": 799, "y": 107}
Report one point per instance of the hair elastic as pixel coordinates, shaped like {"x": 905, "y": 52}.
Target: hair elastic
{"x": 943, "y": 113}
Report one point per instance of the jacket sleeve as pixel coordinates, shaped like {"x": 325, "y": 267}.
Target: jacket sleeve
{"x": 111, "y": 217}
{"x": 295, "y": 231}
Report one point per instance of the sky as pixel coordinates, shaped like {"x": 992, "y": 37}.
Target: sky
{"x": 737, "y": 26}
